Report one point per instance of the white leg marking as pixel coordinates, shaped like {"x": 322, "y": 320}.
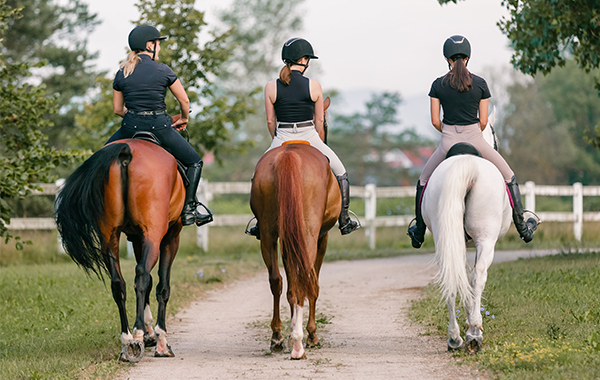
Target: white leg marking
{"x": 126, "y": 338}
{"x": 138, "y": 334}
{"x": 148, "y": 320}
{"x": 297, "y": 333}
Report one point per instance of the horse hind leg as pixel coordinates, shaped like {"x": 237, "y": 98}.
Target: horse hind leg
{"x": 149, "y": 335}
{"x": 297, "y": 333}
{"x": 455, "y": 342}
{"x": 311, "y": 327}
{"x": 163, "y": 290}
{"x": 474, "y": 334}
{"x": 269, "y": 252}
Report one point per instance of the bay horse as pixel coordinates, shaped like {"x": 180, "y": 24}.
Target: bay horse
{"x": 130, "y": 186}
{"x": 296, "y": 200}
{"x": 466, "y": 195}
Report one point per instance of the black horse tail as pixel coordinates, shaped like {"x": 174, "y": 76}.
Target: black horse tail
{"x": 79, "y": 207}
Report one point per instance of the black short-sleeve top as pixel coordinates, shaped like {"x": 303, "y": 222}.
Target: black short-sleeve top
{"x": 460, "y": 108}
{"x": 293, "y": 103}
{"x": 146, "y": 87}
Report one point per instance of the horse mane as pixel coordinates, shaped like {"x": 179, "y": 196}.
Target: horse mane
{"x": 79, "y": 207}
{"x": 294, "y": 251}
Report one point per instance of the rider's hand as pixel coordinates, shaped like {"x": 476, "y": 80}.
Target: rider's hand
{"x": 179, "y": 123}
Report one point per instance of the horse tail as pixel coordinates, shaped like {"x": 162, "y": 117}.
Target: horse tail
{"x": 299, "y": 269}
{"x": 450, "y": 245}
{"x": 79, "y": 206}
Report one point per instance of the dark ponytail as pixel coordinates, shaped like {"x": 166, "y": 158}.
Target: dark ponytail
{"x": 459, "y": 77}
{"x": 285, "y": 75}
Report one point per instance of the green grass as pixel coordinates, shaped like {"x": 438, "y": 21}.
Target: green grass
{"x": 546, "y": 318}
{"x": 60, "y": 324}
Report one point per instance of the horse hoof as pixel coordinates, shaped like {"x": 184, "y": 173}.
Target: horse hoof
{"x": 168, "y": 354}
{"x": 313, "y": 343}
{"x": 299, "y": 358}
{"x": 455, "y": 345}
{"x": 474, "y": 344}
{"x": 277, "y": 345}
{"x": 149, "y": 341}
{"x": 132, "y": 352}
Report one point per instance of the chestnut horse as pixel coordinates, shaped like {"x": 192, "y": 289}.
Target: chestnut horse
{"x": 129, "y": 186}
{"x": 296, "y": 199}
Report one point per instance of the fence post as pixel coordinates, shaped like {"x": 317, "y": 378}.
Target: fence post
{"x": 578, "y": 210}
{"x": 204, "y": 195}
{"x": 530, "y": 196}
{"x": 59, "y": 184}
{"x": 370, "y": 213}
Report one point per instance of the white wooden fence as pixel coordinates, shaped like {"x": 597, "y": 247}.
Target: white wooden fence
{"x": 370, "y": 193}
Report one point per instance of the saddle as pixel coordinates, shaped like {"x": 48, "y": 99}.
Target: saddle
{"x": 149, "y": 136}
{"x": 462, "y": 148}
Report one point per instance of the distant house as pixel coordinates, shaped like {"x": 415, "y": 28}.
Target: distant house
{"x": 408, "y": 159}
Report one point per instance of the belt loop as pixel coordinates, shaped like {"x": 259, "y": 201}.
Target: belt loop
{"x": 295, "y": 128}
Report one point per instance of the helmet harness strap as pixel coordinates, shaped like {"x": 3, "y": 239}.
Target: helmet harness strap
{"x": 153, "y": 51}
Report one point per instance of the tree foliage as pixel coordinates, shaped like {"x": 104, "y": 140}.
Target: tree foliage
{"x": 52, "y": 36}
{"x": 544, "y": 34}
{"x": 25, "y": 157}
{"x": 364, "y": 144}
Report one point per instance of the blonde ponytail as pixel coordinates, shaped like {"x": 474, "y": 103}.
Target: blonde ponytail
{"x": 130, "y": 63}
{"x": 285, "y": 75}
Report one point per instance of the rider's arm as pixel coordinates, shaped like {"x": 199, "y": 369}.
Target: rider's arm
{"x": 119, "y": 103}
{"x": 184, "y": 102}
{"x": 270, "y": 98}
{"x": 435, "y": 113}
{"x": 483, "y": 112}
{"x": 316, "y": 94}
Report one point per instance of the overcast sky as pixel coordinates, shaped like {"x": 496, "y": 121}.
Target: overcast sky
{"x": 363, "y": 46}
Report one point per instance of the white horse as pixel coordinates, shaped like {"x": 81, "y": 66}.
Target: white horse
{"x": 466, "y": 194}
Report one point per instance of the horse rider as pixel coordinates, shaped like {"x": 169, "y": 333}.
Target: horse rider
{"x": 139, "y": 90}
{"x": 462, "y": 95}
{"x": 294, "y": 107}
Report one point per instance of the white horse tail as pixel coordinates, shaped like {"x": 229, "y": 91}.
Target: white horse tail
{"x": 450, "y": 246}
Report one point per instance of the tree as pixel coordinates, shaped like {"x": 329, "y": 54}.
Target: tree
{"x": 25, "y": 157}
{"x": 54, "y": 35}
{"x": 544, "y": 34}
{"x": 362, "y": 142}
{"x": 258, "y": 30}
{"x": 196, "y": 64}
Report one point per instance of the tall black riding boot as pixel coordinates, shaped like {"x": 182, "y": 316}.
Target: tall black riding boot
{"x": 417, "y": 231}
{"x": 189, "y": 214}
{"x": 346, "y": 224}
{"x": 525, "y": 228}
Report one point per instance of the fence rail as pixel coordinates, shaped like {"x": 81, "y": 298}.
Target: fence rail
{"x": 370, "y": 193}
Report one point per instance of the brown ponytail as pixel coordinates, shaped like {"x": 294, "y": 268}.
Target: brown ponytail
{"x": 459, "y": 77}
{"x": 285, "y": 75}
{"x": 130, "y": 63}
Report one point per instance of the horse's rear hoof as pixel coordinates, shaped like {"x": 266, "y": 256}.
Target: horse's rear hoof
{"x": 277, "y": 345}
{"x": 473, "y": 345}
{"x": 168, "y": 354}
{"x": 455, "y": 345}
{"x": 132, "y": 352}
{"x": 149, "y": 341}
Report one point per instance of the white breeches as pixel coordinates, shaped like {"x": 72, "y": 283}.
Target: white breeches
{"x": 308, "y": 134}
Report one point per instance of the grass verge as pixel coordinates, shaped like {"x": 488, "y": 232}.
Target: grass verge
{"x": 541, "y": 318}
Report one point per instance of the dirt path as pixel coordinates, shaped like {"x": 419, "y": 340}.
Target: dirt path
{"x": 226, "y": 334}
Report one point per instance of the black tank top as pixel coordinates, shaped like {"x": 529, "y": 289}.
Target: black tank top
{"x": 293, "y": 103}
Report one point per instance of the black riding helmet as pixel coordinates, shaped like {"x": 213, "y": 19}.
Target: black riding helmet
{"x": 457, "y": 47}
{"x": 296, "y": 48}
{"x": 140, "y": 35}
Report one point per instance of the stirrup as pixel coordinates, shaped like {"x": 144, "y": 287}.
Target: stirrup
{"x": 252, "y": 231}
{"x": 202, "y": 219}
{"x": 351, "y": 226}
{"x": 412, "y": 233}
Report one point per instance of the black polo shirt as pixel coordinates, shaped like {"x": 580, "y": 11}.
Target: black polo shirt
{"x": 146, "y": 87}
{"x": 460, "y": 108}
